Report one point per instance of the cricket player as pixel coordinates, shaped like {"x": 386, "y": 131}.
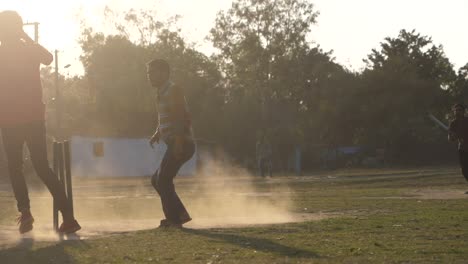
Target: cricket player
{"x": 458, "y": 131}
{"x": 175, "y": 130}
{"x": 22, "y": 118}
{"x": 264, "y": 154}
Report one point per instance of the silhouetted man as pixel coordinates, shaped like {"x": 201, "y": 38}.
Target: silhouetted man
{"x": 22, "y": 118}
{"x": 458, "y": 131}
{"x": 264, "y": 155}
{"x": 175, "y": 130}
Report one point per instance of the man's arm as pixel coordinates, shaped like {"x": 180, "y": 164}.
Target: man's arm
{"x": 269, "y": 149}
{"x": 452, "y": 135}
{"x": 43, "y": 55}
{"x": 155, "y": 137}
{"x": 258, "y": 150}
{"x": 180, "y": 115}
{"x": 179, "y": 111}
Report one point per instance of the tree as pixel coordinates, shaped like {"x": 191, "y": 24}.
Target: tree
{"x": 116, "y": 69}
{"x": 257, "y": 41}
{"x": 403, "y": 81}
{"x": 459, "y": 89}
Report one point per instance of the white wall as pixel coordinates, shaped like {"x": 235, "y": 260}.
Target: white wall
{"x": 121, "y": 157}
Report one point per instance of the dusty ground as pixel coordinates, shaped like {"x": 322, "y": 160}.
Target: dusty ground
{"x": 114, "y": 206}
{"x": 355, "y": 216}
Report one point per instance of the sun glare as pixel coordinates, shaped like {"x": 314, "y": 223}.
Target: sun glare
{"x": 57, "y": 19}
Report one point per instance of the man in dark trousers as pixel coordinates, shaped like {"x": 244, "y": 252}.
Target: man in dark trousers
{"x": 22, "y": 118}
{"x": 458, "y": 131}
{"x": 175, "y": 130}
{"x": 264, "y": 154}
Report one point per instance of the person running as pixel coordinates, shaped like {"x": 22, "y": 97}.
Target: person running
{"x": 264, "y": 156}
{"x": 175, "y": 130}
{"x": 458, "y": 131}
{"x": 22, "y": 118}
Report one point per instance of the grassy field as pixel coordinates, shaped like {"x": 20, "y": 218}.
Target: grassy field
{"x": 417, "y": 215}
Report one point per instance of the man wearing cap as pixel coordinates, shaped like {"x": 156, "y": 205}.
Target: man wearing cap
{"x": 22, "y": 118}
{"x": 174, "y": 129}
{"x": 458, "y": 131}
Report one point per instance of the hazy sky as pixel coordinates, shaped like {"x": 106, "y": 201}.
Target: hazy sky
{"x": 349, "y": 28}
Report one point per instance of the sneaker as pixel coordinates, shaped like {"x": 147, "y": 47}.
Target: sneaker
{"x": 184, "y": 218}
{"x": 168, "y": 224}
{"x": 69, "y": 227}
{"x": 25, "y": 222}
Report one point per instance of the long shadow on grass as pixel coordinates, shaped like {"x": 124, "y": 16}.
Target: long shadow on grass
{"x": 24, "y": 252}
{"x": 413, "y": 181}
{"x": 259, "y": 244}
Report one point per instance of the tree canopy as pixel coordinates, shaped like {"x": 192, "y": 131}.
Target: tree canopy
{"x": 265, "y": 78}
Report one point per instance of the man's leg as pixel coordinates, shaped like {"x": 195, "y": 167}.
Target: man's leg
{"x": 163, "y": 182}
{"x": 157, "y": 186}
{"x": 13, "y": 144}
{"x": 13, "y": 140}
{"x": 270, "y": 167}
{"x": 464, "y": 163}
{"x": 262, "y": 167}
{"x": 36, "y": 141}
{"x": 259, "y": 166}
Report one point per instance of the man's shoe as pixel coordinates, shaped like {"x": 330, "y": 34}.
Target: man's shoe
{"x": 69, "y": 227}
{"x": 184, "y": 218}
{"x": 25, "y": 222}
{"x": 168, "y": 224}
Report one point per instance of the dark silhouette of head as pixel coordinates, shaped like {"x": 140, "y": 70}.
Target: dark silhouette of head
{"x": 11, "y": 26}
{"x": 158, "y": 71}
{"x": 458, "y": 110}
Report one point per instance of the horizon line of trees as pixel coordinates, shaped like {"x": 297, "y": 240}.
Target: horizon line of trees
{"x": 266, "y": 78}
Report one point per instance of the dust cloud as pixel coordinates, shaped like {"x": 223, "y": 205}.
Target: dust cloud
{"x": 220, "y": 195}
{"x": 225, "y": 195}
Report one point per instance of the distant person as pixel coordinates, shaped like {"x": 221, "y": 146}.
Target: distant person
{"x": 264, "y": 156}
{"x": 175, "y": 130}
{"x": 22, "y": 118}
{"x": 458, "y": 131}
